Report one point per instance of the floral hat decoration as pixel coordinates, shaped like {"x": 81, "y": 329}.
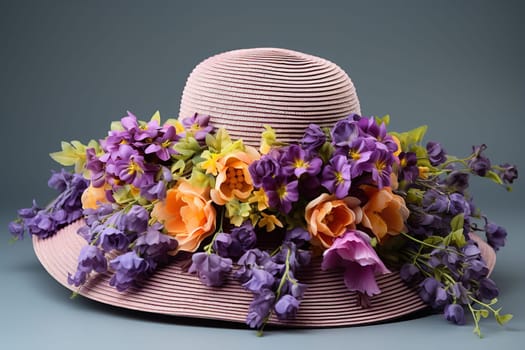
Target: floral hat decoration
{"x": 271, "y": 200}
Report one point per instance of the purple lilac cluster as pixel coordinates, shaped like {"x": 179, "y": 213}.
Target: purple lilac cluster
{"x": 136, "y": 155}
{"x": 443, "y": 197}
{"x": 66, "y": 208}
{"x": 140, "y": 248}
{"x": 451, "y": 278}
{"x": 271, "y": 278}
{"x": 360, "y": 151}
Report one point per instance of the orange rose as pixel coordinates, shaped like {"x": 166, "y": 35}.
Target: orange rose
{"x": 233, "y": 179}
{"x": 328, "y": 218}
{"x": 384, "y": 213}
{"x": 93, "y": 196}
{"x": 187, "y": 214}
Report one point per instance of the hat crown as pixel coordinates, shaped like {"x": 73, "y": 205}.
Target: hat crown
{"x": 243, "y": 90}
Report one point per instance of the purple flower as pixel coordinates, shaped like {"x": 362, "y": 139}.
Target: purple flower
{"x": 96, "y": 168}
{"x": 154, "y": 243}
{"x": 336, "y": 176}
{"x": 91, "y": 258}
{"x": 286, "y": 307}
{"x": 281, "y": 194}
{"x": 496, "y": 235}
{"x": 455, "y": 313}
{"x": 265, "y": 168}
{"x": 345, "y": 132}
{"x": 353, "y": 252}
{"x": 488, "y": 289}
{"x": 260, "y": 279}
{"x": 436, "y": 154}
{"x": 359, "y": 154}
{"x": 162, "y": 146}
{"x": 198, "y": 126}
{"x": 296, "y": 161}
{"x": 128, "y": 268}
{"x": 211, "y": 268}
{"x": 314, "y": 138}
{"x": 479, "y": 164}
{"x": 136, "y": 219}
{"x": 112, "y": 238}
{"x": 16, "y": 228}
{"x": 382, "y": 167}
{"x": 409, "y": 169}
{"x": 131, "y": 167}
{"x": 458, "y": 181}
{"x": 236, "y": 243}
{"x": 260, "y": 308}
{"x": 509, "y": 173}
{"x": 409, "y": 273}
{"x": 297, "y": 235}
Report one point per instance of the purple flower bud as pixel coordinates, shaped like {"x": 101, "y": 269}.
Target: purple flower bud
{"x": 260, "y": 279}
{"x": 409, "y": 273}
{"x": 458, "y": 181}
{"x": 211, "y": 268}
{"x": 479, "y": 164}
{"x": 266, "y": 167}
{"x": 16, "y": 228}
{"x": 113, "y": 239}
{"x": 455, "y": 313}
{"x": 154, "y": 243}
{"x": 409, "y": 168}
{"x": 91, "y": 258}
{"x": 436, "y": 154}
{"x": 509, "y": 173}
{"x": 496, "y": 235}
{"x": 136, "y": 219}
{"x": 345, "y": 132}
{"x": 259, "y": 308}
{"x": 128, "y": 267}
{"x": 314, "y": 138}
{"x": 286, "y": 307}
{"x": 488, "y": 289}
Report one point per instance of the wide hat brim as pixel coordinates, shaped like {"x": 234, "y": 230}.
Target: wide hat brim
{"x": 172, "y": 291}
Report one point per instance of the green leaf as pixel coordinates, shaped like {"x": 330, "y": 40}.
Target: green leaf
{"x": 116, "y": 126}
{"x": 156, "y": 117}
{"x": 433, "y": 240}
{"x": 411, "y": 138}
{"x": 494, "y": 177}
{"x": 484, "y": 313}
{"x": 457, "y": 222}
{"x": 385, "y": 119}
{"x": 503, "y": 319}
{"x": 74, "y": 153}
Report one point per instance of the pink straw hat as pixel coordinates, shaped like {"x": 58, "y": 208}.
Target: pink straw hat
{"x": 243, "y": 90}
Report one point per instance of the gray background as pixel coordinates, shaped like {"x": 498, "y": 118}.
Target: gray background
{"x": 69, "y": 68}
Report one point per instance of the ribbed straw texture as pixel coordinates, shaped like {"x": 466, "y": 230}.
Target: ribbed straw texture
{"x": 243, "y": 90}
{"x": 327, "y": 301}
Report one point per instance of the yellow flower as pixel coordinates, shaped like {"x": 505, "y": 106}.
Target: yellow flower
{"x": 423, "y": 172}
{"x": 210, "y": 164}
{"x": 260, "y": 198}
{"x": 269, "y": 222}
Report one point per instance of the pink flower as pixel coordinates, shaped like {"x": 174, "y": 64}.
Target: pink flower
{"x": 353, "y": 252}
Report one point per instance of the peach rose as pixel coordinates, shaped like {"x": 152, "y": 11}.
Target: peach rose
{"x": 233, "y": 179}
{"x": 93, "y": 196}
{"x": 187, "y": 214}
{"x": 385, "y": 213}
{"x": 328, "y": 218}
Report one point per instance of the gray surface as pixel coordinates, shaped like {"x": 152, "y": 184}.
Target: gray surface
{"x": 68, "y": 69}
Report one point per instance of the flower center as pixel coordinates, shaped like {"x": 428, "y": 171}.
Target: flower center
{"x": 235, "y": 179}
{"x": 355, "y": 155}
{"x": 281, "y": 192}
{"x": 339, "y": 177}
{"x": 134, "y": 167}
{"x": 380, "y": 165}
{"x": 300, "y": 163}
